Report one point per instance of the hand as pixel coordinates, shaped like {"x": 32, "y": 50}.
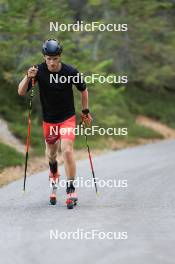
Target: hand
{"x": 32, "y": 72}
{"x": 86, "y": 118}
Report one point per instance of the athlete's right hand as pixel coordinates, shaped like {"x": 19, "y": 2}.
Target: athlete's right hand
{"x": 32, "y": 72}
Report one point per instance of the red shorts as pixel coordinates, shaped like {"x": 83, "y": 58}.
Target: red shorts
{"x": 55, "y": 131}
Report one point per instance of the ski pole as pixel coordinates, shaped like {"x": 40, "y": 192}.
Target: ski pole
{"x": 90, "y": 158}
{"x": 28, "y": 132}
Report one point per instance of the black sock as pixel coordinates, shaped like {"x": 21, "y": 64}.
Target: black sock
{"x": 70, "y": 186}
{"x": 53, "y": 167}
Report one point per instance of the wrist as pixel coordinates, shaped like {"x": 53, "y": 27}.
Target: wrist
{"x": 85, "y": 111}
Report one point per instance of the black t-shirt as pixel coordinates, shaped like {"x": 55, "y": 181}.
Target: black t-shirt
{"x": 57, "y": 99}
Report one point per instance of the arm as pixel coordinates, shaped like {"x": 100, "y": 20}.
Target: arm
{"x": 22, "y": 87}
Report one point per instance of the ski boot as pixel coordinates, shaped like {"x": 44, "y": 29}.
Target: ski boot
{"x": 71, "y": 195}
{"x": 53, "y": 180}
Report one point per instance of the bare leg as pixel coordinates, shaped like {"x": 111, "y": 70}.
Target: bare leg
{"x": 69, "y": 160}
{"x": 52, "y": 151}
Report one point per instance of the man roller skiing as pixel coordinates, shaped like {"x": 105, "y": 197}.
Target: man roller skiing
{"x": 57, "y": 102}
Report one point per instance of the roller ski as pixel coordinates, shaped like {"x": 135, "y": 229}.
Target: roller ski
{"x": 72, "y": 198}
{"x": 53, "y": 183}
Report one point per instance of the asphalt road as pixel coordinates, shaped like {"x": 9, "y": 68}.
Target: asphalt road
{"x": 144, "y": 210}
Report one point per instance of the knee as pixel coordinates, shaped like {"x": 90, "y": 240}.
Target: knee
{"x": 67, "y": 150}
{"x": 51, "y": 152}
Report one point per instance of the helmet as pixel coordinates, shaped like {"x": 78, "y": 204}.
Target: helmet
{"x": 51, "y": 47}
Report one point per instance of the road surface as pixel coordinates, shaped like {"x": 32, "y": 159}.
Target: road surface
{"x": 143, "y": 213}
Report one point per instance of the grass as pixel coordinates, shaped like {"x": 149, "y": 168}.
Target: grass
{"x": 9, "y": 157}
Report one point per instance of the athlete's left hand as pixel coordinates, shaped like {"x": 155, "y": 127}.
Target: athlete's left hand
{"x": 86, "y": 117}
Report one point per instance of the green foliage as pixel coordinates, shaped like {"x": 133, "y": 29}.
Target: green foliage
{"x": 9, "y": 157}
{"x": 159, "y": 106}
